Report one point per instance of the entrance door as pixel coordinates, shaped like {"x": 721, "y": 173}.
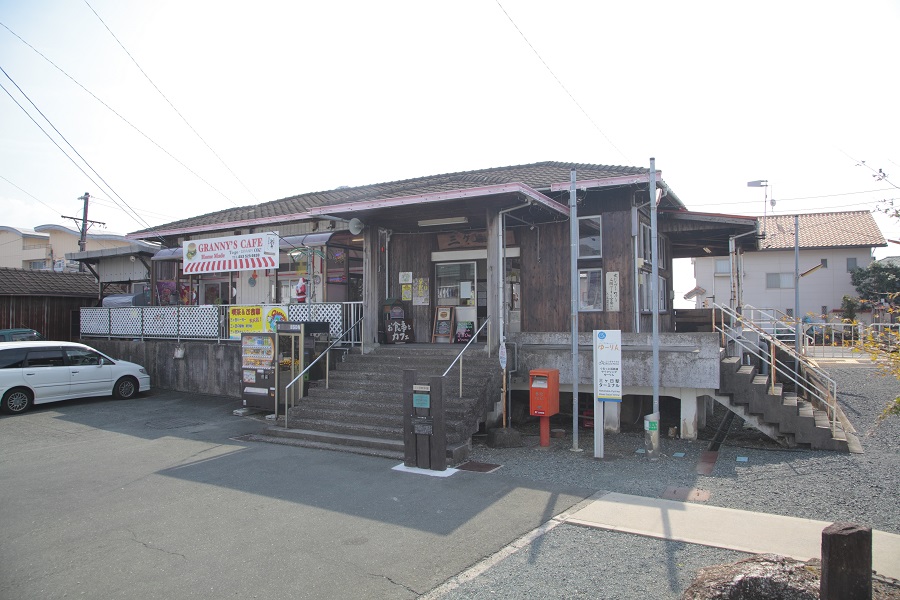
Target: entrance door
{"x": 456, "y": 286}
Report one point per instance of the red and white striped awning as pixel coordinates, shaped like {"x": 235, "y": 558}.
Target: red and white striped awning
{"x": 237, "y": 264}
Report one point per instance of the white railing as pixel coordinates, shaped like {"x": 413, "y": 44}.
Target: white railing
{"x": 209, "y": 322}
{"x": 810, "y": 382}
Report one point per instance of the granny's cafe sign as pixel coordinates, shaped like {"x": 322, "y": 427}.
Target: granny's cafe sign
{"x": 233, "y": 253}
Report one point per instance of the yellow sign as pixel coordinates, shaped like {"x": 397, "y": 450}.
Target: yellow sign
{"x": 244, "y": 319}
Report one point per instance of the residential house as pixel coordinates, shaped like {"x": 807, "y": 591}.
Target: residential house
{"x": 830, "y": 245}
{"x": 46, "y": 246}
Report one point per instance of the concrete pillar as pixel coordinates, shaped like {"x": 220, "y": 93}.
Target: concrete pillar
{"x": 690, "y": 406}
{"x": 494, "y": 272}
{"x": 612, "y": 417}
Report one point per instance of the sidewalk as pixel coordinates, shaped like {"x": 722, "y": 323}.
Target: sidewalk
{"x": 724, "y": 528}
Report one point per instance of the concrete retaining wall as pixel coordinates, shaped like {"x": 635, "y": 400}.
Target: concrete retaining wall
{"x": 207, "y": 367}
{"x": 686, "y": 360}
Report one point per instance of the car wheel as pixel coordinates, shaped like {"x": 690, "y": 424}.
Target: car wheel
{"x": 125, "y": 388}
{"x": 16, "y": 400}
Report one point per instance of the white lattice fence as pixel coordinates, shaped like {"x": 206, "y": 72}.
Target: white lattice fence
{"x": 199, "y": 322}
{"x": 161, "y": 321}
{"x": 94, "y": 321}
{"x": 125, "y": 322}
{"x": 331, "y": 312}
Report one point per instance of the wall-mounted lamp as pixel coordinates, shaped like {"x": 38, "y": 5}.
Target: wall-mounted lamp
{"x": 447, "y": 221}
{"x": 707, "y": 249}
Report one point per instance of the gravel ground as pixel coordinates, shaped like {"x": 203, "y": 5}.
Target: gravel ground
{"x": 575, "y": 562}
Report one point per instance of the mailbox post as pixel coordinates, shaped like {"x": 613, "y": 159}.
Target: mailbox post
{"x": 544, "y": 398}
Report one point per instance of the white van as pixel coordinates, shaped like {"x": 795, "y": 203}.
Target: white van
{"x": 46, "y": 371}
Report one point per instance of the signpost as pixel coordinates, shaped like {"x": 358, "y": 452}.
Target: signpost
{"x": 607, "y": 378}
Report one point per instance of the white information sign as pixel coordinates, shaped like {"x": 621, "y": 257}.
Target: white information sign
{"x": 612, "y": 291}
{"x": 607, "y": 378}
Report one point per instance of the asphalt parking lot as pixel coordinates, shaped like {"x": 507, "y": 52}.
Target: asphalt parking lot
{"x": 157, "y": 497}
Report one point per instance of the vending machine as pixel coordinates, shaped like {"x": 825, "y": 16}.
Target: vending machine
{"x": 258, "y": 367}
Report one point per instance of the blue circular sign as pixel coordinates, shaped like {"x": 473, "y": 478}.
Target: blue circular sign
{"x": 601, "y": 335}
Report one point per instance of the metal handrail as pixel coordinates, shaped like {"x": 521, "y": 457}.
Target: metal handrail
{"x": 327, "y": 354}
{"x": 459, "y": 357}
{"x": 826, "y": 397}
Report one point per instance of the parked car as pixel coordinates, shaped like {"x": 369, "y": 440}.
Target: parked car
{"x": 36, "y": 372}
{"x": 19, "y": 335}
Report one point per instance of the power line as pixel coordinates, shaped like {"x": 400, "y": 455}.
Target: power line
{"x": 169, "y": 102}
{"x": 26, "y": 193}
{"x": 565, "y": 89}
{"x": 109, "y": 187}
{"x": 112, "y": 110}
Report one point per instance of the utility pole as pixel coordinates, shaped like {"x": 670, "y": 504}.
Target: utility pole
{"x": 82, "y": 242}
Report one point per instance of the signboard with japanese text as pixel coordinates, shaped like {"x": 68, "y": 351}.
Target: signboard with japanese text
{"x": 457, "y": 240}
{"x": 254, "y": 319}
{"x": 612, "y": 291}
{"x": 608, "y": 365}
{"x": 398, "y": 331}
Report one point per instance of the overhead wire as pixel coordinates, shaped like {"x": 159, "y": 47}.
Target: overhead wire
{"x": 191, "y": 127}
{"x": 133, "y": 214}
{"x": 565, "y": 89}
{"x": 112, "y": 110}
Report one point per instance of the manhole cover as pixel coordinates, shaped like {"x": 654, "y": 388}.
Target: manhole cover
{"x": 174, "y": 423}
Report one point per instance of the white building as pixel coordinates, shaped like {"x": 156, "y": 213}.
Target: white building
{"x": 831, "y": 243}
{"x": 46, "y": 246}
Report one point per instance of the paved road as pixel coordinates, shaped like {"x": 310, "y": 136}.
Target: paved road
{"x": 157, "y": 498}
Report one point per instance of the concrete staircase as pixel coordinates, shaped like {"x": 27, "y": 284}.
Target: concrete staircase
{"x": 781, "y": 416}
{"x": 362, "y": 410}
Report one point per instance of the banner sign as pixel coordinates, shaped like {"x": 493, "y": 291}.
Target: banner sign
{"x": 234, "y": 253}
{"x": 608, "y": 365}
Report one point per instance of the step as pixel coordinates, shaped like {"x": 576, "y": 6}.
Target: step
{"x": 390, "y": 444}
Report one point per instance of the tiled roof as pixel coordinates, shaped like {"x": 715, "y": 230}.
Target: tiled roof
{"x": 26, "y": 282}
{"x": 822, "y": 230}
{"x": 537, "y": 175}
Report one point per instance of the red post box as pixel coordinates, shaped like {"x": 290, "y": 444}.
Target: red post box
{"x": 544, "y": 392}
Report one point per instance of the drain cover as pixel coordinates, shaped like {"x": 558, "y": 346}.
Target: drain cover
{"x": 173, "y": 423}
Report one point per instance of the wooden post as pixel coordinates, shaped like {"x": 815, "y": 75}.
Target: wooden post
{"x": 846, "y": 562}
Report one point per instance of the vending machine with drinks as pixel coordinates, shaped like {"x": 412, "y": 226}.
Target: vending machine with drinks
{"x": 258, "y": 368}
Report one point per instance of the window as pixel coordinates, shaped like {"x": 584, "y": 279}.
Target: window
{"x": 851, "y": 264}
{"x": 644, "y": 291}
{"x": 723, "y": 266}
{"x": 46, "y": 357}
{"x": 645, "y": 250}
{"x": 789, "y": 312}
{"x": 13, "y": 358}
{"x": 779, "y": 281}
{"x": 82, "y": 356}
{"x": 663, "y": 295}
{"x": 590, "y": 289}
{"x": 37, "y": 264}
{"x": 590, "y": 238}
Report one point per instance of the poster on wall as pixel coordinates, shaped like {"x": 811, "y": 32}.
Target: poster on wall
{"x": 244, "y": 319}
{"x": 406, "y": 292}
{"x": 420, "y": 292}
{"x": 406, "y": 277}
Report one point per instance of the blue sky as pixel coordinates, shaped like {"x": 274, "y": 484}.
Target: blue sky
{"x": 294, "y": 97}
